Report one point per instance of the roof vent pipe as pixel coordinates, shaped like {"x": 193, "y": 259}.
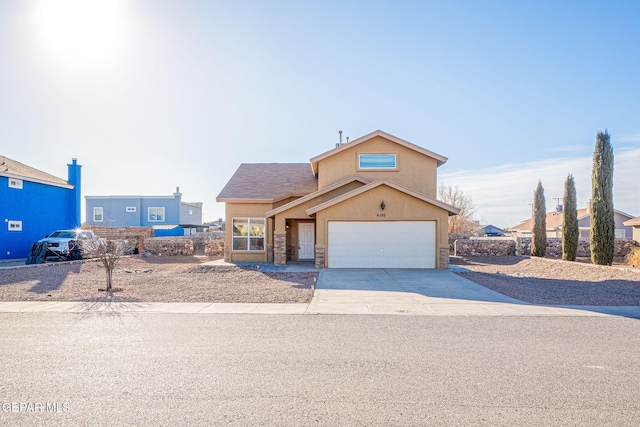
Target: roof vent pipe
{"x": 340, "y": 132}
{"x": 347, "y": 140}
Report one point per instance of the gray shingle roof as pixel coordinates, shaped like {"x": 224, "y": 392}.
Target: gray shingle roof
{"x": 12, "y": 167}
{"x": 269, "y": 181}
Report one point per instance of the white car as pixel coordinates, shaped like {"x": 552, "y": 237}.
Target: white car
{"x": 59, "y": 242}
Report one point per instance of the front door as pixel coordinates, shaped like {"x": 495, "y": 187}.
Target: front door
{"x": 306, "y": 240}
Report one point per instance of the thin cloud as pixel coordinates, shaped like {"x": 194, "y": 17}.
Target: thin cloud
{"x": 502, "y": 195}
{"x": 576, "y": 148}
{"x": 629, "y": 138}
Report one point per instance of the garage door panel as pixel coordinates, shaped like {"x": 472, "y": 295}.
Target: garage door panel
{"x": 392, "y": 244}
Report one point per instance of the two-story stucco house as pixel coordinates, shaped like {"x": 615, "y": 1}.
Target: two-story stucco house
{"x": 34, "y": 203}
{"x": 168, "y": 215}
{"x": 370, "y": 203}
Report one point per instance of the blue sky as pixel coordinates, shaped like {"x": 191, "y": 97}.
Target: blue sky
{"x": 150, "y": 95}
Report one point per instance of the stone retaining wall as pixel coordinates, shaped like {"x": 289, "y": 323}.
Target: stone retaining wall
{"x": 171, "y": 246}
{"x": 501, "y": 246}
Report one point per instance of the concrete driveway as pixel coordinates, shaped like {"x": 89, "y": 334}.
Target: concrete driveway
{"x": 421, "y": 292}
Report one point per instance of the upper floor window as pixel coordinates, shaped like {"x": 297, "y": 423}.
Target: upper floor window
{"x": 14, "y": 225}
{"x": 98, "y": 214}
{"x": 156, "y": 214}
{"x": 15, "y": 183}
{"x": 376, "y": 161}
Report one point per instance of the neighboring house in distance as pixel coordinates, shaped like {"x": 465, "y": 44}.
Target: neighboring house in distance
{"x": 635, "y": 223}
{"x": 490, "y": 231}
{"x": 554, "y": 224}
{"x": 368, "y": 203}
{"x": 168, "y": 215}
{"x": 33, "y": 204}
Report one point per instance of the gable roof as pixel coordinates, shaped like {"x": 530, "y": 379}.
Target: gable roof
{"x": 315, "y": 194}
{"x": 268, "y": 182}
{"x": 314, "y": 161}
{"x": 11, "y": 168}
{"x": 554, "y": 219}
{"x": 632, "y": 222}
{"x": 452, "y": 210}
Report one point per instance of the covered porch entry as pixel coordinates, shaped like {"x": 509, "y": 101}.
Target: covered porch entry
{"x": 297, "y": 243}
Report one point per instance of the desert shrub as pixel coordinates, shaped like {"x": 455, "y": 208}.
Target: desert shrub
{"x": 633, "y": 257}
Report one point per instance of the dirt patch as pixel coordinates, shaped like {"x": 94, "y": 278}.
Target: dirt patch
{"x": 155, "y": 279}
{"x": 554, "y": 282}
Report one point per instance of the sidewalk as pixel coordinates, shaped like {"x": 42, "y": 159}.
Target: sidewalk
{"x": 385, "y": 305}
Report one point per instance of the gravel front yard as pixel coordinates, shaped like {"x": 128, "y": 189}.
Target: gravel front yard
{"x": 555, "y": 282}
{"x": 186, "y": 279}
{"x": 154, "y": 279}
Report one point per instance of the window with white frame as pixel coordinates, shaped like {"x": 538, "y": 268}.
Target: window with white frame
{"x": 156, "y": 214}
{"x": 98, "y": 214}
{"x": 248, "y": 234}
{"x": 15, "y": 183}
{"x": 620, "y": 233}
{"x": 376, "y": 161}
{"x": 14, "y": 225}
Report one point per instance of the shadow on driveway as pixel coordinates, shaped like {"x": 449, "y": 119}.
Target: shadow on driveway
{"x": 428, "y": 283}
{"x": 437, "y": 289}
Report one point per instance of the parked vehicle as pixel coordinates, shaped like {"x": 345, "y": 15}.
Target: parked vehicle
{"x": 67, "y": 244}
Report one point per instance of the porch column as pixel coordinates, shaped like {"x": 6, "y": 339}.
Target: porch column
{"x": 444, "y": 259}
{"x": 279, "y": 249}
{"x": 320, "y": 257}
{"x": 280, "y": 240}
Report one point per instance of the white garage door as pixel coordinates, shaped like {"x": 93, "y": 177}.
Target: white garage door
{"x": 401, "y": 244}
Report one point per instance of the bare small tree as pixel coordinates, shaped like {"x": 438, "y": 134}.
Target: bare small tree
{"x": 463, "y": 223}
{"x": 109, "y": 253}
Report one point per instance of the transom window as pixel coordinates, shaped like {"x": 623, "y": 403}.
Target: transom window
{"x": 98, "y": 214}
{"x": 156, "y": 214}
{"x": 376, "y": 161}
{"x": 248, "y": 234}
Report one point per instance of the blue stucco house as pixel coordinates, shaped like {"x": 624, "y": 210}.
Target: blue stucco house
{"x": 33, "y": 204}
{"x": 492, "y": 231}
{"x": 169, "y": 215}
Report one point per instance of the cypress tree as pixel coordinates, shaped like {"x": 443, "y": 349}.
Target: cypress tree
{"x": 570, "y": 232}
{"x": 539, "y": 232}
{"x": 602, "y": 216}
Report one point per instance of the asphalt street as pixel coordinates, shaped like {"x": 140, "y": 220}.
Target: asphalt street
{"x": 193, "y": 369}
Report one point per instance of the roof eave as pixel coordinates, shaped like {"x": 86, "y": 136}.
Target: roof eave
{"x": 450, "y": 209}
{"x": 36, "y": 180}
{"x": 318, "y": 193}
{"x": 242, "y": 200}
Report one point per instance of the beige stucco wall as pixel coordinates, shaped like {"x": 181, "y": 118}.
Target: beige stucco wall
{"x": 247, "y": 210}
{"x": 300, "y": 211}
{"x": 414, "y": 170}
{"x": 636, "y": 233}
{"x": 398, "y": 207}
